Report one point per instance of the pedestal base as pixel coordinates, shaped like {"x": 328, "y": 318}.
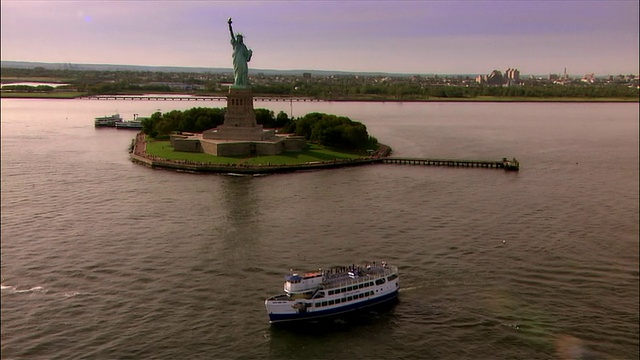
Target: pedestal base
{"x": 226, "y": 132}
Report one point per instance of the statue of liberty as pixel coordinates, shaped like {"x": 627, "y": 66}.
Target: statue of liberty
{"x": 241, "y": 56}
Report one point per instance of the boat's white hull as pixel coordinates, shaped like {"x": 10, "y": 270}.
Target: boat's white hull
{"x": 129, "y": 125}
{"x": 283, "y": 309}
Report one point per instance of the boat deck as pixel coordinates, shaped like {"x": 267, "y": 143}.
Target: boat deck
{"x": 344, "y": 276}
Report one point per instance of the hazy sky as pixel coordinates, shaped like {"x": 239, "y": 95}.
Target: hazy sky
{"x": 421, "y": 37}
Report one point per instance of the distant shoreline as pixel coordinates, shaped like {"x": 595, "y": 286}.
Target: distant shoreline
{"x": 73, "y": 95}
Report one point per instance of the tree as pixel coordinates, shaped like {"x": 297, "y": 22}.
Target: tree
{"x": 281, "y": 120}
{"x": 149, "y": 124}
{"x": 265, "y": 117}
{"x": 332, "y": 130}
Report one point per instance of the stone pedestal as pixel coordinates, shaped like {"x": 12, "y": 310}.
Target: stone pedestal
{"x": 240, "y": 119}
{"x": 240, "y": 134}
{"x": 240, "y": 108}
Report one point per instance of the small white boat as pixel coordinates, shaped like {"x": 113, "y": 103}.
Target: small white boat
{"x": 341, "y": 289}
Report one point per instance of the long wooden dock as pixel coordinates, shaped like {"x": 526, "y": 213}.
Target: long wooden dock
{"x": 506, "y": 164}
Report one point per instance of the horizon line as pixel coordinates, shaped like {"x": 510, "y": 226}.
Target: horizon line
{"x": 291, "y": 70}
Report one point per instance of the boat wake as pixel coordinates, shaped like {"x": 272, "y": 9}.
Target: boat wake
{"x": 8, "y": 289}
{"x": 14, "y": 290}
{"x": 409, "y": 288}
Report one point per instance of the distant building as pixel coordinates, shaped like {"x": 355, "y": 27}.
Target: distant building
{"x": 495, "y": 78}
{"x": 306, "y": 75}
{"x": 589, "y": 78}
{"x": 560, "y": 79}
{"x": 510, "y": 77}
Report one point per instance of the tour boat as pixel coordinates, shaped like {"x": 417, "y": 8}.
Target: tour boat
{"x": 108, "y": 121}
{"x": 337, "y": 290}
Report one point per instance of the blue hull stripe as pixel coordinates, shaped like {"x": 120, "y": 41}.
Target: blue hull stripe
{"x": 274, "y": 318}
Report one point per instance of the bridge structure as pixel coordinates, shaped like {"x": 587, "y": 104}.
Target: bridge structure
{"x": 190, "y": 98}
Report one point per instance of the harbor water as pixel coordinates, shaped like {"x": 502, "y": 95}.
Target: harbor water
{"x": 106, "y": 259}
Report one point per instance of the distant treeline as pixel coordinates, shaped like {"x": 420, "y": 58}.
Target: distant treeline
{"x": 415, "y": 91}
{"x": 337, "y": 87}
{"x": 324, "y": 129}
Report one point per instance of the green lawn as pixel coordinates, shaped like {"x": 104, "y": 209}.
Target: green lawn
{"x": 311, "y": 153}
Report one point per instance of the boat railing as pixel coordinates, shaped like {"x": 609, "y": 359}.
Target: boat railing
{"x": 387, "y": 270}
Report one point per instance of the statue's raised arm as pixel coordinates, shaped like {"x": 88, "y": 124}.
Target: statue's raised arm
{"x": 233, "y": 38}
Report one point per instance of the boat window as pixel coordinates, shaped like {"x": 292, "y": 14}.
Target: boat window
{"x": 331, "y": 302}
{"x": 393, "y": 277}
{"x": 380, "y": 281}
{"x": 360, "y": 286}
{"x": 338, "y": 301}
{"x": 331, "y": 292}
{"x": 349, "y": 288}
{"x": 349, "y": 298}
{"x": 370, "y": 284}
{"x": 324, "y": 303}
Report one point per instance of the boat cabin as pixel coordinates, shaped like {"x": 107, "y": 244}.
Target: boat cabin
{"x": 295, "y": 283}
